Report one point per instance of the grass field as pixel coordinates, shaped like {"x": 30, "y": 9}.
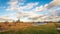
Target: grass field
{"x": 49, "y": 28}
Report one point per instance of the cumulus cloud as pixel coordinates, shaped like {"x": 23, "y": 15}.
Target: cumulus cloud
{"x": 8, "y": 17}
{"x": 30, "y": 10}
{"x": 20, "y": 9}
{"x": 53, "y": 13}
{"x": 54, "y": 3}
{"x": 5, "y": 18}
{"x": 12, "y": 4}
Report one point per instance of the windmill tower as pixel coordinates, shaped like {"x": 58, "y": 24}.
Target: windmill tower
{"x": 18, "y": 21}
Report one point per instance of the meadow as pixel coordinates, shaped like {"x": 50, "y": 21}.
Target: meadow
{"x": 28, "y": 28}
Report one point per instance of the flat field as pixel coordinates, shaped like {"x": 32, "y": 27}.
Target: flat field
{"x": 28, "y": 28}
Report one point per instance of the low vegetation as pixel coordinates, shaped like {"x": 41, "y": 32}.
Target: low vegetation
{"x": 28, "y": 28}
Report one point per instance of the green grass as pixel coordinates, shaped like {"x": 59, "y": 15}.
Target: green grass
{"x": 44, "y": 29}
{"x": 32, "y": 31}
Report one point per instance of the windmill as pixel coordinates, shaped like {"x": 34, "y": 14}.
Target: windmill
{"x": 19, "y": 15}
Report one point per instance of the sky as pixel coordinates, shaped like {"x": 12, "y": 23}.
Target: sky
{"x": 30, "y": 10}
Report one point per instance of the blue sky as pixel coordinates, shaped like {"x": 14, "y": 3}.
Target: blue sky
{"x": 26, "y": 8}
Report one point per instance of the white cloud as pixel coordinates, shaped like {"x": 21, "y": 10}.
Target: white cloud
{"x": 31, "y": 12}
{"x": 54, "y": 3}
{"x": 40, "y": 8}
{"x": 5, "y": 18}
{"x": 52, "y": 15}
{"x": 12, "y": 4}
{"x": 29, "y": 6}
{"x": 8, "y": 17}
